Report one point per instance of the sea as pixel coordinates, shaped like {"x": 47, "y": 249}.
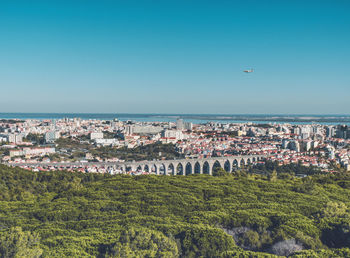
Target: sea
{"x": 194, "y": 118}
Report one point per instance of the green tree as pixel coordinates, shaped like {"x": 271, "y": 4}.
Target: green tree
{"x": 219, "y": 172}
{"x": 17, "y": 243}
{"x": 272, "y": 176}
{"x": 143, "y": 243}
{"x": 334, "y": 209}
{"x": 251, "y": 240}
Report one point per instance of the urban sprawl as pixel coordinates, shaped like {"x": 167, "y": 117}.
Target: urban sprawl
{"x": 87, "y": 142}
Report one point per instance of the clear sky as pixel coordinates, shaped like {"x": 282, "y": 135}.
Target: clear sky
{"x": 175, "y": 56}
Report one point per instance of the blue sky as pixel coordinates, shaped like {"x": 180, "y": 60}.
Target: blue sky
{"x": 175, "y": 56}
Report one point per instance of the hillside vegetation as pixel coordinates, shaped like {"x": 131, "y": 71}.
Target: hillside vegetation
{"x": 62, "y": 214}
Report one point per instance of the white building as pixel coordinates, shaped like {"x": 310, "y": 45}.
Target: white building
{"x": 181, "y": 125}
{"x": 188, "y": 126}
{"x": 96, "y": 135}
{"x": 107, "y": 142}
{"x": 294, "y": 145}
{"x": 15, "y": 138}
{"x": 142, "y": 129}
{"x": 177, "y": 134}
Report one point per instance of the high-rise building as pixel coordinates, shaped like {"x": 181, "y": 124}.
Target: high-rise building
{"x": 129, "y": 130}
{"x": 330, "y": 131}
{"x": 180, "y": 124}
{"x": 296, "y": 130}
{"x": 188, "y": 126}
{"x": 342, "y": 131}
{"x": 294, "y": 145}
{"x": 15, "y": 138}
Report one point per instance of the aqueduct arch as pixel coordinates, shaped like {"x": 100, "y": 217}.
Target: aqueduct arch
{"x": 166, "y": 167}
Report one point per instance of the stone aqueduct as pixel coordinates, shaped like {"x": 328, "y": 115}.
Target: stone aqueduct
{"x": 191, "y": 166}
{"x": 164, "y": 167}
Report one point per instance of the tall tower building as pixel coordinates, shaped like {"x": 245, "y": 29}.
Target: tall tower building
{"x": 180, "y": 124}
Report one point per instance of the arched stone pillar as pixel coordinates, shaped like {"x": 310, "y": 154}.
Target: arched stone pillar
{"x": 211, "y": 164}
{"x": 155, "y": 165}
{"x": 179, "y": 168}
{"x": 227, "y": 166}
{"x": 222, "y": 163}
{"x": 183, "y": 168}
{"x": 192, "y": 164}
{"x": 215, "y": 162}
{"x": 123, "y": 168}
{"x": 206, "y": 167}
{"x": 171, "y": 168}
{"x": 236, "y": 163}
{"x": 188, "y": 169}
{"x": 248, "y": 161}
{"x": 150, "y": 167}
{"x": 146, "y": 168}
{"x": 197, "y": 167}
{"x": 164, "y": 167}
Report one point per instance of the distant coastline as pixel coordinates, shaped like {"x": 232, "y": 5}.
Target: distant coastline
{"x": 195, "y": 118}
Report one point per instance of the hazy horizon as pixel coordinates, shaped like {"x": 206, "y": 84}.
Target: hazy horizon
{"x": 201, "y": 114}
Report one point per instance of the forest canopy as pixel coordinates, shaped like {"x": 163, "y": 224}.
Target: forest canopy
{"x": 61, "y": 214}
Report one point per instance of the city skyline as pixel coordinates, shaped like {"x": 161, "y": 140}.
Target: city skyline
{"x": 175, "y": 57}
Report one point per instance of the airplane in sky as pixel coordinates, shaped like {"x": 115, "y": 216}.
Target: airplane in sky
{"x": 248, "y": 71}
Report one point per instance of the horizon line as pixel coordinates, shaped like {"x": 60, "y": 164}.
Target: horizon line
{"x": 135, "y": 113}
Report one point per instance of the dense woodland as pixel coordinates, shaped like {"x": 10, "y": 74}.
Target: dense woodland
{"x": 291, "y": 169}
{"x": 64, "y": 214}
